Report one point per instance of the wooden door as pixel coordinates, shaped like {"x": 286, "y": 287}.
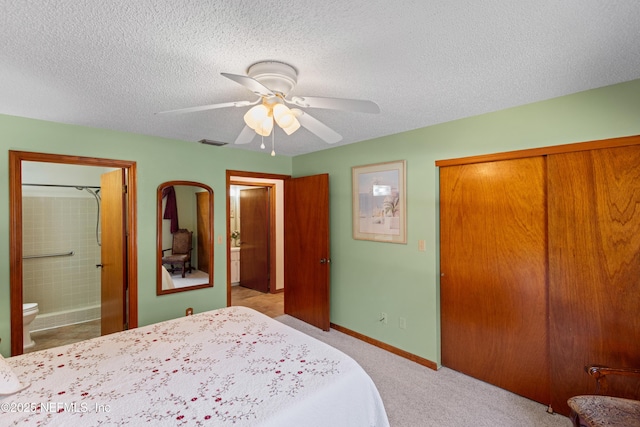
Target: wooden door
{"x": 493, "y": 292}
{"x": 254, "y": 238}
{"x": 113, "y": 252}
{"x": 594, "y": 268}
{"x": 203, "y": 232}
{"x": 306, "y": 246}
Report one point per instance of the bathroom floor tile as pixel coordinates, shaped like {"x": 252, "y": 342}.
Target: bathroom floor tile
{"x": 65, "y": 335}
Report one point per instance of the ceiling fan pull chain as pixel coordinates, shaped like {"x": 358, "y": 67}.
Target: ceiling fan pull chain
{"x": 262, "y": 145}
{"x": 273, "y": 142}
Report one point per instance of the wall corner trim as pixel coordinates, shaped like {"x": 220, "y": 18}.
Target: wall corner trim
{"x": 398, "y": 352}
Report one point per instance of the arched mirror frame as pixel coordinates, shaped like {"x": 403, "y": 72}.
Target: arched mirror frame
{"x": 159, "y": 218}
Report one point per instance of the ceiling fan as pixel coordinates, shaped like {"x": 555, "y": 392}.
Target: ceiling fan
{"x": 272, "y": 81}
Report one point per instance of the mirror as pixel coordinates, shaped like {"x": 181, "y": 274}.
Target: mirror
{"x": 184, "y": 254}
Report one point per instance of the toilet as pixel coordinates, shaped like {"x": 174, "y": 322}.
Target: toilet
{"x": 29, "y": 312}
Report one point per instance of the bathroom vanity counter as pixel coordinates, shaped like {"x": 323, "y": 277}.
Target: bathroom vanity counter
{"x": 235, "y": 265}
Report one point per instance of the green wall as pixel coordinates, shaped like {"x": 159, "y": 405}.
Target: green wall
{"x": 158, "y": 160}
{"x": 367, "y": 277}
{"x": 371, "y": 277}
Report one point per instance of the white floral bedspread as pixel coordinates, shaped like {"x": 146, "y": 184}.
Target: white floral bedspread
{"x": 232, "y": 366}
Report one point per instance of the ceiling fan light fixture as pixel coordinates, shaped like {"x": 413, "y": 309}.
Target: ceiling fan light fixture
{"x": 294, "y": 126}
{"x": 265, "y": 127}
{"x": 283, "y": 115}
{"x": 256, "y": 115}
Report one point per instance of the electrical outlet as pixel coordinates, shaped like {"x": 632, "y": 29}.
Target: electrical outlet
{"x": 383, "y": 317}
{"x": 422, "y": 245}
{"x": 402, "y": 323}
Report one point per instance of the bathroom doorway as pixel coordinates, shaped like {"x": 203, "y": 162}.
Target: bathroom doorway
{"x": 264, "y": 197}
{"x": 29, "y": 260}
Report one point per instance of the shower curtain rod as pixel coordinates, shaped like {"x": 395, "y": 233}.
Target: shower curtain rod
{"x": 61, "y": 185}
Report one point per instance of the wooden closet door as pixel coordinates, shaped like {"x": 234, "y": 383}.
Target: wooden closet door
{"x": 493, "y": 292}
{"x": 594, "y": 268}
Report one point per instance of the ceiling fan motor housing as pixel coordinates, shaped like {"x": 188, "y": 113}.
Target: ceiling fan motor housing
{"x": 279, "y": 77}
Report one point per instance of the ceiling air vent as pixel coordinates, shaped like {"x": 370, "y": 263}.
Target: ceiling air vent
{"x": 212, "y": 142}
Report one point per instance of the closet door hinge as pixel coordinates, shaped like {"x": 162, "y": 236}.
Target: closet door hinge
{"x": 124, "y": 189}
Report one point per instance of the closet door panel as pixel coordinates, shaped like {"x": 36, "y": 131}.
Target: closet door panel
{"x": 594, "y": 268}
{"x": 493, "y": 291}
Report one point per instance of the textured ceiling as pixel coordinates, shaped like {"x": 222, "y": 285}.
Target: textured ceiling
{"x": 113, "y": 64}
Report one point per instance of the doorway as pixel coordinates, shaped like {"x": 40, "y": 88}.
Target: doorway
{"x": 307, "y": 251}
{"x": 61, "y": 246}
{"x": 122, "y": 302}
{"x": 249, "y": 257}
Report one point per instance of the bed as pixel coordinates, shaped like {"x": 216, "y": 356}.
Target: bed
{"x": 167, "y": 280}
{"x": 232, "y": 366}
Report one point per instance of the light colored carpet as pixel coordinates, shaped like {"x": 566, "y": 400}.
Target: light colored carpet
{"x": 416, "y": 396}
{"x": 196, "y": 277}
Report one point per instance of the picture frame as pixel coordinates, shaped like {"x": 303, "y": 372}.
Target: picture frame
{"x": 380, "y": 202}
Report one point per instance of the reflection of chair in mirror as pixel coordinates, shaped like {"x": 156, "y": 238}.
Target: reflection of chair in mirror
{"x": 601, "y": 410}
{"x": 180, "y": 251}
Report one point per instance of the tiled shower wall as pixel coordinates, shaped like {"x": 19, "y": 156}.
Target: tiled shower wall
{"x": 67, "y": 289}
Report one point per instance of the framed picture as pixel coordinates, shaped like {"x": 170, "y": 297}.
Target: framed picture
{"x": 379, "y": 202}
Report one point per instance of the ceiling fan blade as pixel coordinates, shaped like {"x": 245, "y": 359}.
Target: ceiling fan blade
{"x": 246, "y": 136}
{"x": 342, "y": 104}
{"x": 209, "y": 107}
{"x": 316, "y": 127}
{"x": 250, "y": 83}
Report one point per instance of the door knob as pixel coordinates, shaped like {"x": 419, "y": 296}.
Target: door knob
{"x": 99, "y": 265}
{"x": 325, "y": 260}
